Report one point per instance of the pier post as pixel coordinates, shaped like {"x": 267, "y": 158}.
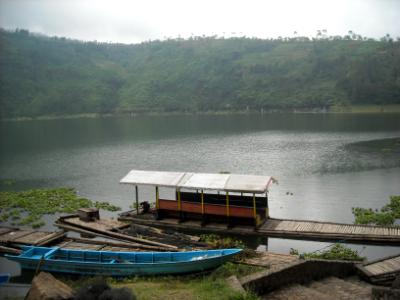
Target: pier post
{"x": 137, "y": 199}
{"x": 179, "y": 205}
{"x": 203, "y": 220}
{"x": 157, "y": 198}
{"x": 227, "y": 208}
{"x": 202, "y": 202}
{"x": 254, "y": 210}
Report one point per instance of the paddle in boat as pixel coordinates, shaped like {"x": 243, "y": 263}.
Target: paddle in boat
{"x": 87, "y": 262}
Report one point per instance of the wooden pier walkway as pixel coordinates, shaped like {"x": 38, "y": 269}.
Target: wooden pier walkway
{"x": 10, "y": 235}
{"x": 281, "y": 228}
{"x": 382, "y": 271}
{"x": 330, "y": 231}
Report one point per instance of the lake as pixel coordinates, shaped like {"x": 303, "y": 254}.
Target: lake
{"x": 321, "y": 176}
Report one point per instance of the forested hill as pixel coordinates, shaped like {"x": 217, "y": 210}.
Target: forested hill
{"x": 54, "y": 76}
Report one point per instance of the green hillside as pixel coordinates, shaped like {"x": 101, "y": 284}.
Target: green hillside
{"x": 56, "y": 76}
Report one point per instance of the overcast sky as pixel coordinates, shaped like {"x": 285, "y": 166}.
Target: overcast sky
{"x": 136, "y": 21}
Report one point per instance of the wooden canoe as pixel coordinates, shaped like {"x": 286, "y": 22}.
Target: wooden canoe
{"x": 109, "y": 263}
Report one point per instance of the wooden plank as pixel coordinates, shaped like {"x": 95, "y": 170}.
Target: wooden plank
{"x": 75, "y": 245}
{"x": 86, "y": 232}
{"x": 51, "y": 238}
{"x": 9, "y": 250}
{"x": 89, "y": 226}
{"x": 268, "y": 259}
{"x": 124, "y": 245}
{"x": 101, "y": 224}
{"x": 12, "y": 235}
{"x": 4, "y": 230}
{"x": 32, "y": 238}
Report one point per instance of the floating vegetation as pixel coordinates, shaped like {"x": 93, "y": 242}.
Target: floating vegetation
{"x": 336, "y": 252}
{"x": 215, "y": 241}
{"x": 7, "y": 182}
{"x": 28, "y": 207}
{"x": 106, "y": 206}
{"x": 387, "y": 215}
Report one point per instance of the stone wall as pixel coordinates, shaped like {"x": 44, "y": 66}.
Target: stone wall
{"x": 385, "y": 293}
{"x": 299, "y": 272}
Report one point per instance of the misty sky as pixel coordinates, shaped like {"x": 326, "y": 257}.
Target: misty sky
{"x": 136, "y": 21}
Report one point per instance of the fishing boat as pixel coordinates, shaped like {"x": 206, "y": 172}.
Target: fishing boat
{"x": 110, "y": 263}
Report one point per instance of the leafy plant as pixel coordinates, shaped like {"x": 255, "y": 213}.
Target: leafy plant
{"x": 216, "y": 241}
{"x": 336, "y": 252}
{"x": 28, "y": 207}
{"x": 386, "y": 216}
{"x": 7, "y": 182}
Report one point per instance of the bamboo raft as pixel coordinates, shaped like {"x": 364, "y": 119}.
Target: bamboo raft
{"x": 382, "y": 271}
{"x": 282, "y": 228}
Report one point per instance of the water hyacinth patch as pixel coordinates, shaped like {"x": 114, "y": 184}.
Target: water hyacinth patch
{"x": 28, "y": 207}
{"x": 335, "y": 252}
{"x": 386, "y": 216}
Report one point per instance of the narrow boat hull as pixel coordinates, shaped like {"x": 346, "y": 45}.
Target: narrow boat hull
{"x": 130, "y": 263}
{"x": 4, "y": 277}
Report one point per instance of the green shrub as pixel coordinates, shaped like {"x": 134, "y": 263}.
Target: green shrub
{"x": 335, "y": 252}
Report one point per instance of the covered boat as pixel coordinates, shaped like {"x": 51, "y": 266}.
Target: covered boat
{"x": 228, "y": 198}
{"x": 86, "y": 262}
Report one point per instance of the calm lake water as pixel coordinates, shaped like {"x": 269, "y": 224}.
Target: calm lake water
{"x": 309, "y": 154}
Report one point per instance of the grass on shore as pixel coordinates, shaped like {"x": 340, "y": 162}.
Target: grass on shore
{"x": 360, "y": 108}
{"x": 211, "y": 285}
{"x": 366, "y": 108}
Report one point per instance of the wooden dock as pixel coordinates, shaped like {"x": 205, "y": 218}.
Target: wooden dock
{"x": 11, "y": 240}
{"x": 382, "y": 271}
{"x": 331, "y": 231}
{"x": 270, "y": 259}
{"x": 10, "y": 235}
{"x": 281, "y": 228}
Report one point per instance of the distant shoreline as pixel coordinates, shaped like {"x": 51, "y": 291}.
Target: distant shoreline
{"x": 353, "y": 109}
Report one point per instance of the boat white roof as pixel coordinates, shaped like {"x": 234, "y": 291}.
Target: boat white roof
{"x": 200, "y": 181}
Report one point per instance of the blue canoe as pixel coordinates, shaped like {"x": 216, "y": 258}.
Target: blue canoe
{"x": 87, "y": 262}
{"x": 4, "y": 277}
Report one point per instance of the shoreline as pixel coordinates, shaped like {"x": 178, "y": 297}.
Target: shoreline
{"x": 354, "y": 109}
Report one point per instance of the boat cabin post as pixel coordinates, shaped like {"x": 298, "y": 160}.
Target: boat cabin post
{"x": 157, "y": 198}
{"x": 137, "y": 199}
{"x": 232, "y": 199}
